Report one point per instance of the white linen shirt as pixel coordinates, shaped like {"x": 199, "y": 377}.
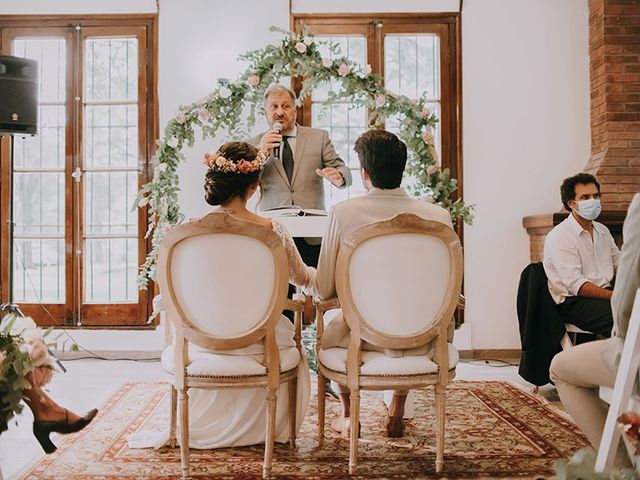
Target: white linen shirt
{"x": 572, "y": 257}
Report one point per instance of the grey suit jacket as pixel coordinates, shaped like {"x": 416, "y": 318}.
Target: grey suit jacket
{"x": 627, "y": 284}
{"x": 313, "y": 150}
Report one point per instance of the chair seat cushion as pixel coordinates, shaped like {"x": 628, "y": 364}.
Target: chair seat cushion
{"x": 204, "y": 363}
{"x": 379, "y": 364}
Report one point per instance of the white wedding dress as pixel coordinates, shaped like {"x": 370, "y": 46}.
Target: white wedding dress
{"x": 234, "y": 418}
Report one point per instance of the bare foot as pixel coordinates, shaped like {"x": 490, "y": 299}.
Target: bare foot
{"x": 342, "y": 425}
{"x": 395, "y": 427}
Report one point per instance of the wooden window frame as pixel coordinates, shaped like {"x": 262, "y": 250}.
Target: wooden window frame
{"x": 149, "y": 121}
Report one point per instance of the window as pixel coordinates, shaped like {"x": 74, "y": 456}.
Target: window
{"x": 77, "y": 242}
{"x": 416, "y": 55}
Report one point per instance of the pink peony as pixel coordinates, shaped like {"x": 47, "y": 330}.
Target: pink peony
{"x": 301, "y": 47}
{"x": 203, "y": 114}
{"x": 180, "y": 117}
{"x": 327, "y": 62}
{"x": 426, "y": 113}
{"x": 253, "y": 80}
{"x": 381, "y": 100}
{"x": 431, "y": 169}
{"x": 344, "y": 70}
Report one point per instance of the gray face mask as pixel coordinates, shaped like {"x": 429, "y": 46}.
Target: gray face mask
{"x": 589, "y": 209}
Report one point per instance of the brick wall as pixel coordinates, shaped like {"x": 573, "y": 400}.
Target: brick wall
{"x": 614, "y": 49}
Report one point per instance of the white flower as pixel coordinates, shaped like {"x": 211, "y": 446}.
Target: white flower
{"x": 301, "y": 47}
{"x": 144, "y": 201}
{"x": 431, "y": 169}
{"x": 426, "y": 113}
{"x": 162, "y": 167}
{"x": 253, "y": 80}
{"x": 367, "y": 69}
{"x": 32, "y": 336}
{"x": 180, "y": 117}
{"x": 224, "y": 92}
{"x": 220, "y": 161}
{"x": 172, "y": 142}
{"x": 381, "y": 100}
{"x": 307, "y": 40}
{"x": 203, "y": 114}
{"x": 344, "y": 69}
{"x": 20, "y": 325}
{"x": 327, "y": 62}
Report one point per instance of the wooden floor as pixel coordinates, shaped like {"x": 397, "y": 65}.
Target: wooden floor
{"x": 88, "y": 381}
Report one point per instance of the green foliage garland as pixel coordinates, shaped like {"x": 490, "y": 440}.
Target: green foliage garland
{"x": 292, "y": 56}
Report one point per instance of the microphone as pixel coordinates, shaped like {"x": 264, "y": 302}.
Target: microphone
{"x": 277, "y": 127}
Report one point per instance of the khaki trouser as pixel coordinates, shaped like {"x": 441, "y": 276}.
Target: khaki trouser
{"x": 577, "y": 373}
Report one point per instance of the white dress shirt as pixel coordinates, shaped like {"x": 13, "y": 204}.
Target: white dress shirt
{"x": 572, "y": 258}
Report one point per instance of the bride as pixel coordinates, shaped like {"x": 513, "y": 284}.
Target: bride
{"x": 233, "y": 418}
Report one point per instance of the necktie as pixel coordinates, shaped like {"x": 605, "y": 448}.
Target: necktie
{"x": 287, "y": 158}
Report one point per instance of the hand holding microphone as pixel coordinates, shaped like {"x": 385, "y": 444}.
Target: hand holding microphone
{"x": 271, "y": 140}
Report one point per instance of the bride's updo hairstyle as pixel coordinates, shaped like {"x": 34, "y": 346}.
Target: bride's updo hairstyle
{"x": 232, "y": 169}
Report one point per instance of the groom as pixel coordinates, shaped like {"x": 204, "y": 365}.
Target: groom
{"x": 382, "y": 161}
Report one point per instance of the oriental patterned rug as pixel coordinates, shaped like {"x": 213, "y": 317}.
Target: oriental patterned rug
{"x": 493, "y": 430}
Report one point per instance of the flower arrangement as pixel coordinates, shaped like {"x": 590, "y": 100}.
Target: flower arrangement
{"x": 217, "y": 162}
{"x": 23, "y": 353}
{"x": 232, "y": 107}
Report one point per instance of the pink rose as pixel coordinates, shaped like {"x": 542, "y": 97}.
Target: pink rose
{"x": 344, "y": 70}
{"x": 180, "y": 117}
{"x": 431, "y": 169}
{"x": 301, "y": 47}
{"x": 38, "y": 354}
{"x": 381, "y": 100}
{"x": 428, "y": 136}
{"x": 243, "y": 166}
{"x": 253, "y": 80}
{"x": 327, "y": 62}
{"x": 426, "y": 113}
{"x": 203, "y": 114}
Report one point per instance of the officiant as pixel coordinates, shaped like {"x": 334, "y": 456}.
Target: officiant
{"x": 300, "y": 158}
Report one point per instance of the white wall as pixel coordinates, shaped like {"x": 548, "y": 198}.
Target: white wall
{"x": 525, "y": 113}
{"x": 526, "y": 127}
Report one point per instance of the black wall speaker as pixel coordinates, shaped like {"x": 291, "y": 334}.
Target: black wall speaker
{"x": 18, "y": 95}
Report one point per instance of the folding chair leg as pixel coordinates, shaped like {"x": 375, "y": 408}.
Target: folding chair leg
{"x": 440, "y": 421}
{"x": 355, "y": 431}
{"x": 321, "y": 408}
{"x": 271, "y": 425}
{"x": 293, "y": 388}
{"x": 183, "y": 399}
{"x": 173, "y": 417}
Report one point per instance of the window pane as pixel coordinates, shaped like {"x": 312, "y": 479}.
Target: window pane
{"x": 38, "y": 273}
{"x": 111, "y": 69}
{"x": 39, "y": 203}
{"x": 343, "y": 123}
{"x": 39, "y": 197}
{"x": 110, "y": 270}
{"x": 412, "y": 65}
{"x": 111, "y": 136}
{"x": 108, "y": 198}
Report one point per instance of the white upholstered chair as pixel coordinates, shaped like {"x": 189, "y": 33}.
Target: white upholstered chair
{"x": 621, "y": 398}
{"x": 398, "y": 283}
{"x": 224, "y": 285}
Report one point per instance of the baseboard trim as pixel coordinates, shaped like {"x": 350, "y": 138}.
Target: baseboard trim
{"x": 490, "y": 353}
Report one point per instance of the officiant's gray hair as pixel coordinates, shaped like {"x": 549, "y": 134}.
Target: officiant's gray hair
{"x": 277, "y": 88}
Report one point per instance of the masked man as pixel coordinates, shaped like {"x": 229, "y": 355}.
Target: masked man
{"x": 581, "y": 258}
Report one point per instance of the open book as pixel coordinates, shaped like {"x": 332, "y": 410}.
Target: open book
{"x": 294, "y": 211}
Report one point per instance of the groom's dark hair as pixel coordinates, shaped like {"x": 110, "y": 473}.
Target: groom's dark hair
{"x": 384, "y": 156}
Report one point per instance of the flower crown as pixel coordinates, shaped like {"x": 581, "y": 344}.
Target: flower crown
{"x": 218, "y": 163}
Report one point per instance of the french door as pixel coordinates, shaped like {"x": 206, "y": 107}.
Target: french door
{"x": 77, "y": 241}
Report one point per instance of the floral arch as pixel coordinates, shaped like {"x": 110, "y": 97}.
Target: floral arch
{"x": 294, "y": 55}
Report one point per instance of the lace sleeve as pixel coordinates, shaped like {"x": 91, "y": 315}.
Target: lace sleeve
{"x": 300, "y": 274}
